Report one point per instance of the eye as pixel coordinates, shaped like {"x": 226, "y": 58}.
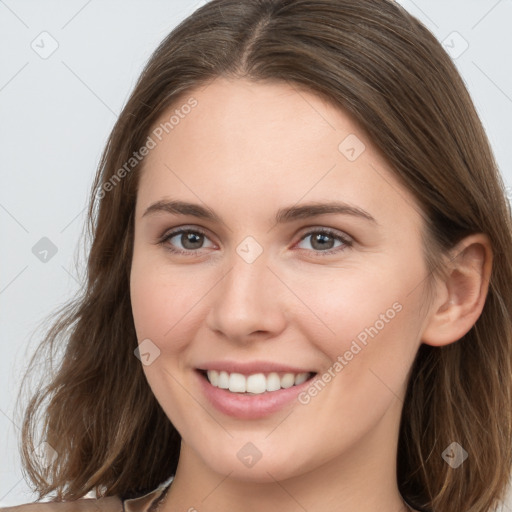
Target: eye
{"x": 320, "y": 240}
{"x": 191, "y": 240}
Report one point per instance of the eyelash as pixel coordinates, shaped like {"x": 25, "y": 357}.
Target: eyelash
{"x": 324, "y": 231}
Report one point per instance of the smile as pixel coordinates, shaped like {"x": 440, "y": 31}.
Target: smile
{"x": 253, "y": 394}
{"x": 257, "y": 383}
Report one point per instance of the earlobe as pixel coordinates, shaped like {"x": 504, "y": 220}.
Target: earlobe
{"x": 462, "y": 293}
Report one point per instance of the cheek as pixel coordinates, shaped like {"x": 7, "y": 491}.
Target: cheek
{"x": 159, "y": 307}
{"x": 164, "y": 302}
{"x": 368, "y": 317}
{"x": 366, "y": 374}
{"x": 149, "y": 300}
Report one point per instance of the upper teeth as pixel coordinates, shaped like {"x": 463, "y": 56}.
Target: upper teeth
{"x": 256, "y": 383}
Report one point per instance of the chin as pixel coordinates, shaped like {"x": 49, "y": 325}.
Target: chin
{"x": 251, "y": 464}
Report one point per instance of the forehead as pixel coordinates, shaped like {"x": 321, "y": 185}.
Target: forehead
{"x": 263, "y": 140}
{"x": 225, "y": 105}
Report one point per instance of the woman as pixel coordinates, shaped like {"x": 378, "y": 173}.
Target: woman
{"x": 298, "y": 291}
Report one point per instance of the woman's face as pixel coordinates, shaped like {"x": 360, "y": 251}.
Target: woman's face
{"x": 303, "y": 256}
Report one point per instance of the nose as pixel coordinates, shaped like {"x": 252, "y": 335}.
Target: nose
{"x": 249, "y": 302}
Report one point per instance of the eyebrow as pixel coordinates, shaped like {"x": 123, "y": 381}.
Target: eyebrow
{"x": 283, "y": 215}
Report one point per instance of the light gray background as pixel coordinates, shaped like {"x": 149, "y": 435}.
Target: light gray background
{"x": 56, "y": 113}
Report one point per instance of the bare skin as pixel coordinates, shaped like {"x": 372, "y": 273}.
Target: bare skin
{"x": 245, "y": 151}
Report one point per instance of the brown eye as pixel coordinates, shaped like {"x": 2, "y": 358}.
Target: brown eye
{"x": 190, "y": 239}
{"x": 322, "y": 241}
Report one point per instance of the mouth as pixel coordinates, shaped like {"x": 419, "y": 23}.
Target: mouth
{"x": 260, "y": 383}
{"x": 252, "y": 390}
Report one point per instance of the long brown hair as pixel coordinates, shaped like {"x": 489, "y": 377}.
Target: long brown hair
{"x": 386, "y": 70}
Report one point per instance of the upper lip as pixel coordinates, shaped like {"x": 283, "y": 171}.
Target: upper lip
{"x": 249, "y": 368}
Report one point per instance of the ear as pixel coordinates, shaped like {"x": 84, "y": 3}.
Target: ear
{"x": 460, "y": 296}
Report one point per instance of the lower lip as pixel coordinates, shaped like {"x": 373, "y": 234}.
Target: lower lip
{"x": 250, "y": 407}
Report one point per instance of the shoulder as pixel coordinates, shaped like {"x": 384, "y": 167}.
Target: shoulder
{"x": 107, "y": 504}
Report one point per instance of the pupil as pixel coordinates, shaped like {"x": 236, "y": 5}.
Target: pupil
{"x": 321, "y": 237}
{"x": 189, "y": 238}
